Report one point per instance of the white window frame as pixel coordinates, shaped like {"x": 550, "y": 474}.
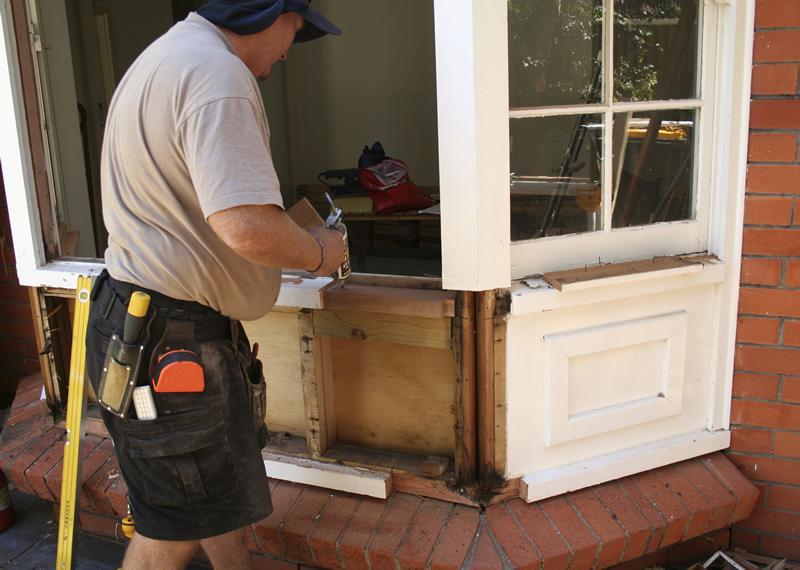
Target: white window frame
{"x": 473, "y": 119}
{"x": 610, "y": 245}
{"x": 472, "y": 76}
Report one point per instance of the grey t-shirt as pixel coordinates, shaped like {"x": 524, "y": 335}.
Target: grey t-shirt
{"x": 187, "y": 136}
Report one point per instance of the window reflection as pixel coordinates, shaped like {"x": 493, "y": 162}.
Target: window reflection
{"x": 556, "y": 172}
{"x": 653, "y": 167}
{"x": 655, "y": 49}
{"x": 555, "y": 52}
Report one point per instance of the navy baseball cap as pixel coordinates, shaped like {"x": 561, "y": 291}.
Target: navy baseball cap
{"x": 246, "y": 17}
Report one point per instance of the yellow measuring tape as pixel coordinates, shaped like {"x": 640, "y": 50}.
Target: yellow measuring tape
{"x": 76, "y": 408}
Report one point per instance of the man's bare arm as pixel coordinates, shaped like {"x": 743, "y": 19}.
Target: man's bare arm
{"x": 268, "y": 236}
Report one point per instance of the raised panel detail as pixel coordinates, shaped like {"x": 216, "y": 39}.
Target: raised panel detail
{"x": 605, "y": 378}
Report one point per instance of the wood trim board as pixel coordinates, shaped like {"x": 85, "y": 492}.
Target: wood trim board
{"x": 391, "y": 301}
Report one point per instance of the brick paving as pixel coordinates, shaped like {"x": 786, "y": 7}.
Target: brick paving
{"x": 688, "y": 506}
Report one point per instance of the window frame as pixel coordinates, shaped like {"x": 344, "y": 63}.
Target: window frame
{"x": 474, "y": 159}
{"x": 608, "y": 245}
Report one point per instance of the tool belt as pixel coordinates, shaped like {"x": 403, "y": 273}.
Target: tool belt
{"x": 167, "y": 355}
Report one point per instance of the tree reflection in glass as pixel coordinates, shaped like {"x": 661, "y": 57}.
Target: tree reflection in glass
{"x": 555, "y": 52}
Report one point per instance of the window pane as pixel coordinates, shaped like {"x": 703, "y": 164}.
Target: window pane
{"x": 655, "y": 49}
{"x": 653, "y": 167}
{"x": 556, "y": 173}
{"x": 555, "y": 52}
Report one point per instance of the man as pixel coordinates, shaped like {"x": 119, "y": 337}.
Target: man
{"x": 194, "y": 213}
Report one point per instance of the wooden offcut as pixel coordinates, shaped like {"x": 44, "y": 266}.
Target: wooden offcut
{"x": 304, "y": 215}
{"x": 434, "y": 466}
{"x": 592, "y": 276}
{"x": 367, "y": 482}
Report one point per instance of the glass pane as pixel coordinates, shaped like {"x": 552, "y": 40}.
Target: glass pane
{"x": 653, "y": 167}
{"x": 555, "y": 52}
{"x": 556, "y": 165}
{"x": 655, "y": 49}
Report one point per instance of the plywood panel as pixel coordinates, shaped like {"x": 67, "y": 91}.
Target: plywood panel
{"x": 418, "y": 331}
{"x": 277, "y": 336}
{"x": 394, "y": 397}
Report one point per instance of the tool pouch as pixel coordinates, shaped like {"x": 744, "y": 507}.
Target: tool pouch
{"x": 176, "y": 366}
{"x": 118, "y": 378}
{"x": 258, "y": 399}
{"x": 253, "y": 371}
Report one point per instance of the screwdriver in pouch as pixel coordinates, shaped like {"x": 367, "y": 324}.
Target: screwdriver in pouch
{"x": 134, "y": 319}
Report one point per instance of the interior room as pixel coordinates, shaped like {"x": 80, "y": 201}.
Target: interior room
{"x": 331, "y": 99}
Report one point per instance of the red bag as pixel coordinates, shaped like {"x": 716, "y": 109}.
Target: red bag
{"x": 391, "y": 189}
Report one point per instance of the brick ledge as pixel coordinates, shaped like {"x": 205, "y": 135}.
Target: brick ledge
{"x": 598, "y": 527}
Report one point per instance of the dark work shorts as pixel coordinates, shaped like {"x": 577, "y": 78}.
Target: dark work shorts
{"x": 196, "y": 471}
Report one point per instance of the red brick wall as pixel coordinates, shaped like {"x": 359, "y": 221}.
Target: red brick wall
{"x": 18, "y": 356}
{"x": 766, "y": 389}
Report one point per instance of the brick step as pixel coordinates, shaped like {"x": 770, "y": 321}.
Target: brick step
{"x": 690, "y": 504}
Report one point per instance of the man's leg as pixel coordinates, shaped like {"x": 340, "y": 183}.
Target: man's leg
{"x": 227, "y": 551}
{"x": 148, "y": 554}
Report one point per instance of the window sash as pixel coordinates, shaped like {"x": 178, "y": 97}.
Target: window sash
{"x": 609, "y": 244}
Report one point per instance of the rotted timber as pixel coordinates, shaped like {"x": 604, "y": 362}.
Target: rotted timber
{"x": 485, "y": 364}
{"x": 466, "y": 457}
{"x": 314, "y": 395}
{"x": 500, "y": 411}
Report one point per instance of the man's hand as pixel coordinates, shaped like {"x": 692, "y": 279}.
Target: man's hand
{"x": 332, "y": 250}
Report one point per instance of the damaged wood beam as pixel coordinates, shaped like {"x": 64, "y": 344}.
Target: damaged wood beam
{"x": 466, "y": 456}
{"x": 316, "y": 377}
{"x": 485, "y": 303}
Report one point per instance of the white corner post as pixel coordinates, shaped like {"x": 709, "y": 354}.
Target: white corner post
{"x": 472, "y": 91}
{"x": 735, "y": 67}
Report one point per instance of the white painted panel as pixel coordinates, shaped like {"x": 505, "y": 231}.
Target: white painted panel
{"x": 581, "y": 474}
{"x": 613, "y": 376}
{"x": 328, "y": 475}
{"x": 676, "y": 324}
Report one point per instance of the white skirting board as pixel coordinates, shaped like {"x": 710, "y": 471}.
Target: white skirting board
{"x": 559, "y": 480}
{"x": 328, "y": 475}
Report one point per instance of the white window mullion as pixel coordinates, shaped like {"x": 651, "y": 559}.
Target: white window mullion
{"x": 665, "y": 105}
{"x": 555, "y": 111}
{"x": 608, "y": 52}
{"x": 608, "y": 164}
{"x": 608, "y": 117}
